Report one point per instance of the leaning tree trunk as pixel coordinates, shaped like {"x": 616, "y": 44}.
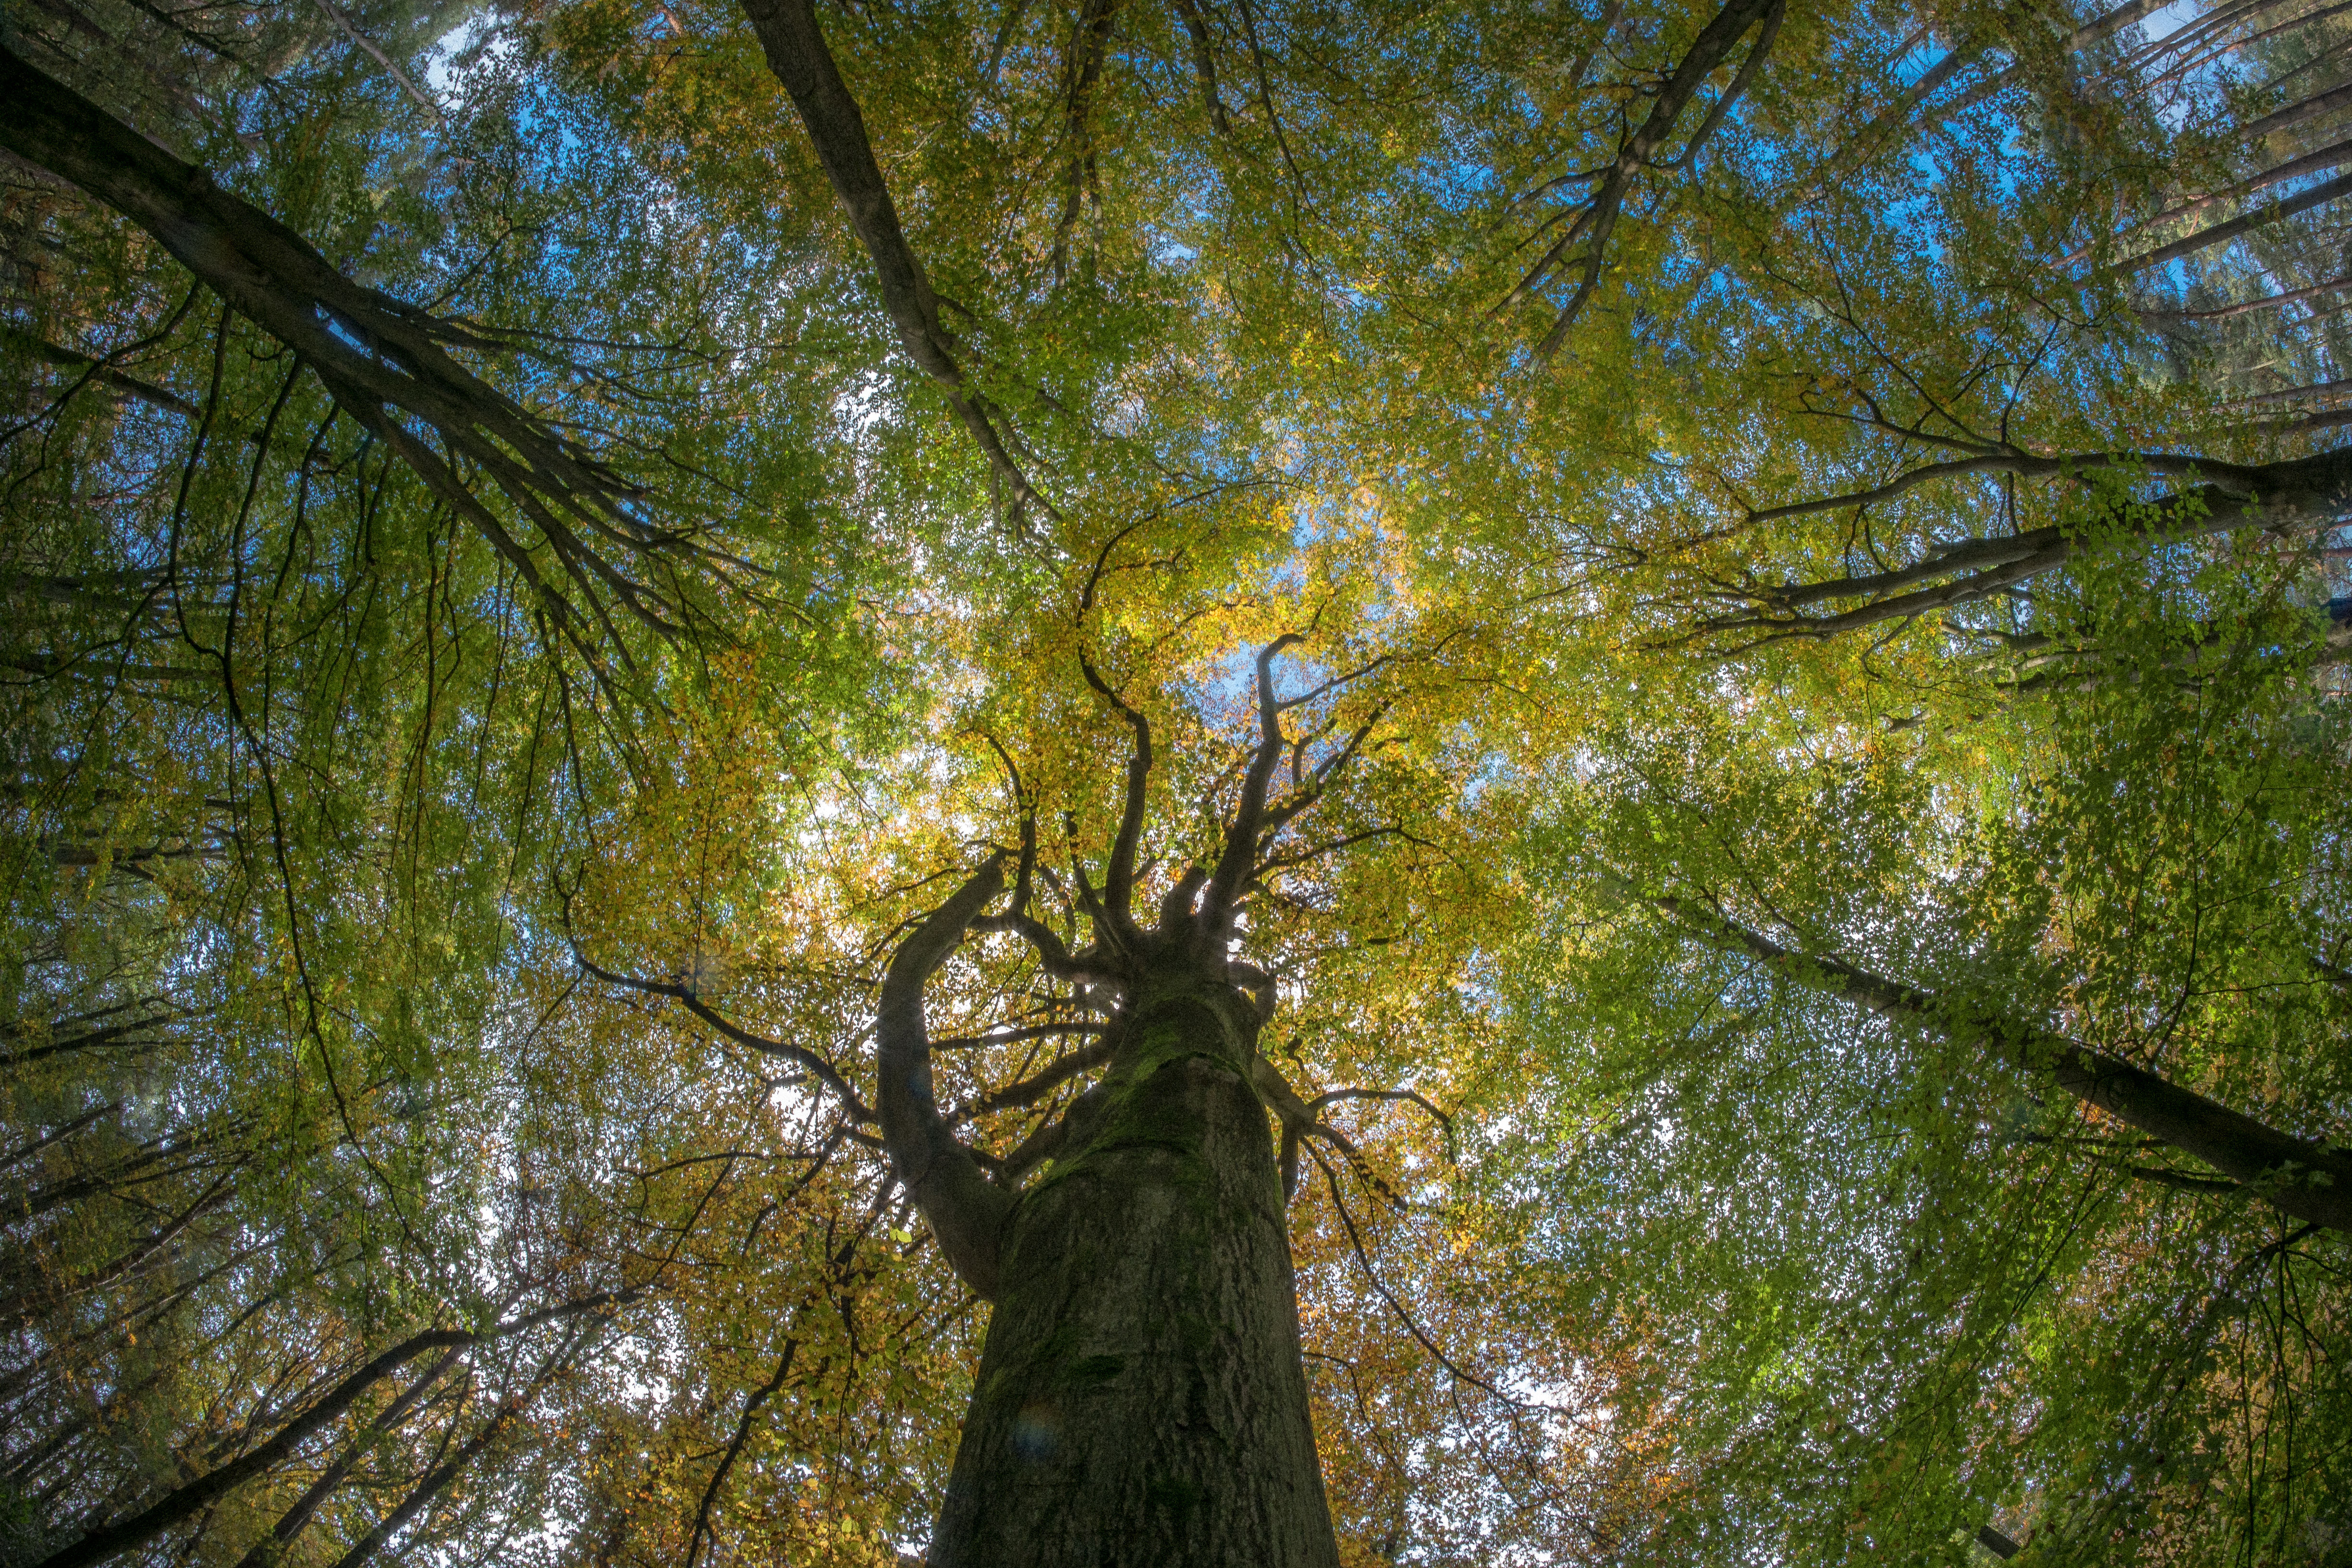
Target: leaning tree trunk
{"x": 1140, "y": 1397}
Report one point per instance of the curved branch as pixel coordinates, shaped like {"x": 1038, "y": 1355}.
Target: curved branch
{"x": 384, "y": 361}
{"x": 1371, "y": 1275}
{"x": 1283, "y": 1099}
{"x": 1054, "y": 955}
{"x": 964, "y": 1208}
{"x": 1406, "y": 1096}
{"x": 1036, "y": 1087}
{"x": 1119, "y": 877}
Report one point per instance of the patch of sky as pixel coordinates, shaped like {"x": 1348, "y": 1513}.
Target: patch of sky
{"x": 475, "y": 42}
{"x": 2162, "y": 24}
{"x": 1169, "y": 251}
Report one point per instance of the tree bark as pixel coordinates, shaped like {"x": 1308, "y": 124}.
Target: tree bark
{"x": 1141, "y": 1399}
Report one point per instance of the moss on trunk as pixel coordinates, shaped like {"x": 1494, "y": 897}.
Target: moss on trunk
{"x": 1141, "y": 1399}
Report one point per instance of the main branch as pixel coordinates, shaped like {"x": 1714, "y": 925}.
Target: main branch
{"x": 2299, "y": 492}
{"x": 798, "y": 55}
{"x": 386, "y": 361}
{"x": 964, "y": 1209}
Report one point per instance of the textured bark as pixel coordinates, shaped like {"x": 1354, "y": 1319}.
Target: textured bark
{"x": 1140, "y": 1398}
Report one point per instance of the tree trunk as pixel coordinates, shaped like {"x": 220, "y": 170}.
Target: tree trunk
{"x": 1141, "y": 1399}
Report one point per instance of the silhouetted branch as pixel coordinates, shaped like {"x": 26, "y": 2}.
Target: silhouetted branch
{"x": 817, "y": 1067}
{"x": 2301, "y": 1178}
{"x": 1240, "y": 854}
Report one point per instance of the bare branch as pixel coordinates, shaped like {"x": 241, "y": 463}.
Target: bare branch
{"x": 1598, "y": 219}
{"x": 385, "y": 362}
{"x": 112, "y": 1539}
{"x": 2245, "y": 307}
{"x": 1407, "y": 1096}
{"x": 1038, "y": 1085}
{"x": 1234, "y": 865}
{"x": 417, "y": 95}
{"x": 1118, "y": 878}
{"x": 2219, "y": 233}
{"x": 800, "y": 1056}
{"x": 1012, "y": 1037}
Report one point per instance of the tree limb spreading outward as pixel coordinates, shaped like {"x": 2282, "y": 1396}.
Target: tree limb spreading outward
{"x": 119, "y": 1536}
{"x": 968, "y": 1209}
{"x": 797, "y": 54}
{"x": 2300, "y": 1178}
{"x": 389, "y": 364}
{"x": 2294, "y": 493}
{"x": 1597, "y": 217}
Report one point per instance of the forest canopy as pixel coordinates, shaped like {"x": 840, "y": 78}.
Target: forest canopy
{"x": 1175, "y": 781}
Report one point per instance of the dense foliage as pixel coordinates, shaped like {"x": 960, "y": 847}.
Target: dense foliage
{"x": 1814, "y": 539}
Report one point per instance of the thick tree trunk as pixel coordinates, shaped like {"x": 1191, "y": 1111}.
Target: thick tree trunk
{"x": 1140, "y": 1398}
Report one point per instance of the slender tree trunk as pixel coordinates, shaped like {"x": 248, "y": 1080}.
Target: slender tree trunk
{"x": 2301, "y": 1178}
{"x": 1141, "y": 1399}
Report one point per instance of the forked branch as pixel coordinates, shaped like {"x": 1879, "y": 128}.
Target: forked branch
{"x": 1239, "y": 857}
{"x": 388, "y": 365}
{"x": 1118, "y": 877}
{"x": 1596, "y": 219}
{"x": 799, "y": 1056}
{"x": 2297, "y": 493}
